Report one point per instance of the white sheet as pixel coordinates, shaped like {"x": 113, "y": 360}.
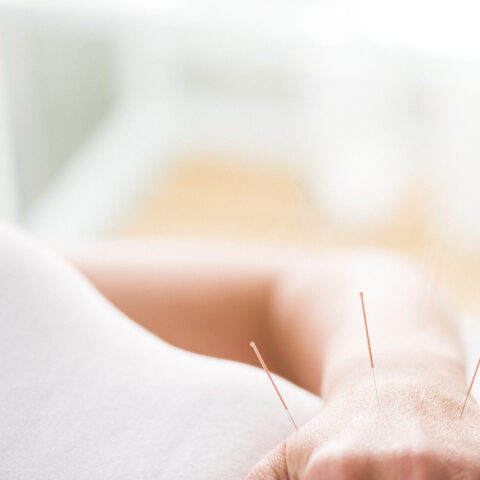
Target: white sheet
{"x": 88, "y": 394}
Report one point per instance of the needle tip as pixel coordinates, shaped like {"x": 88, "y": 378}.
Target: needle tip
{"x": 265, "y": 368}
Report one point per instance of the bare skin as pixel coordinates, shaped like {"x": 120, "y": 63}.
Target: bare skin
{"x": 305, "y": 315}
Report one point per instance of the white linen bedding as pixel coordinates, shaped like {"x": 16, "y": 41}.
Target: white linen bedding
{"x": 88, "y": 394}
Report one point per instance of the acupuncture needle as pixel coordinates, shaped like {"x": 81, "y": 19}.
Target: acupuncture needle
{"x": 470, "y": 388}
{"x": 260, "y": 359}
{"x": 369, "y": 348}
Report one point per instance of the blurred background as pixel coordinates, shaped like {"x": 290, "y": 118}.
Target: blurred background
{"x": 316, "y": 123}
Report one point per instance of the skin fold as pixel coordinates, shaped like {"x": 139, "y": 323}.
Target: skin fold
{"x": 304, "y": 313}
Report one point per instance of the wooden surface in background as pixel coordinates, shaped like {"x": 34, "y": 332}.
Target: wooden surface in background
{"x": 204, "y": 197}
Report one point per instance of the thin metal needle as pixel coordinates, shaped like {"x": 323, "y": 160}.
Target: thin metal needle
{"x": 260, "y": 359}
{"x": 470, "y": 388}
{"x": 369, "y": 348}
{"x": 375, "y": 383}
